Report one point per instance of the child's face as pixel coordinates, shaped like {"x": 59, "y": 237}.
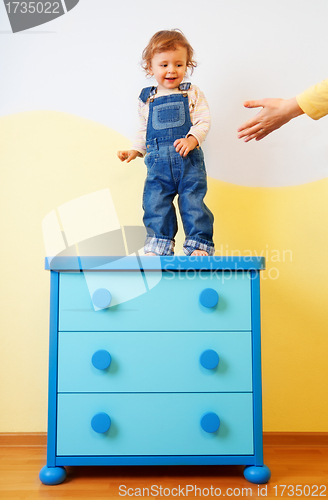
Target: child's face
{"x": 169, "y": 68}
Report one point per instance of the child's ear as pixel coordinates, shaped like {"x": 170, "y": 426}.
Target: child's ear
{"x": 150, "y": 71}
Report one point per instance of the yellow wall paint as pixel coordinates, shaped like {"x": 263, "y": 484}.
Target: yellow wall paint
{"x": 48, "y": 158}
{"x": 290, "y": 227}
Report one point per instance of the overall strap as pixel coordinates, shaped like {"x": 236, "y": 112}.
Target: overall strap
{"x": 147, "y": 92}
{"x": 150, "y": 91}
{"x": 184, "y": 86}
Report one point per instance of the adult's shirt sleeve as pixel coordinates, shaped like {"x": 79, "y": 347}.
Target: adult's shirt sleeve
{"x": 314, "y": 101}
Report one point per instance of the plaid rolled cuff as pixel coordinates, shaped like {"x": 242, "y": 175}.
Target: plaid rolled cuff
{"x": 159, "y": 246}
{"x": 190, "y": 245}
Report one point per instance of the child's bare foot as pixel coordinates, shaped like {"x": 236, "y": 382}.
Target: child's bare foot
{"x": 199, "y": 253}
{"x": 151, "y": 253}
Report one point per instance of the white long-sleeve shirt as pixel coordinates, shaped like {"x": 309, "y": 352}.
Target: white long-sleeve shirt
{"x": 199, "y": 116}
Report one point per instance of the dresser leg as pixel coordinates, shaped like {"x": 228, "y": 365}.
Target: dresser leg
{"x": 257, "y": 474}
{"x": 52, "y": 475}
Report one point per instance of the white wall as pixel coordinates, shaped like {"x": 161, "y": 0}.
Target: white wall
{"x": 87, "y": 63}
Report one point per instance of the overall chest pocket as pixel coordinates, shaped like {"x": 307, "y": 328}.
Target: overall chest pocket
{"x": 168, "y": 115}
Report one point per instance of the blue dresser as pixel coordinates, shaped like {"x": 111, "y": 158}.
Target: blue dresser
{"x": 155, "y": 361}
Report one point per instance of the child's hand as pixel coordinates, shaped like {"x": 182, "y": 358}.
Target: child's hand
{"x": 129, "y": 155}
{"x": 184, "y": 145}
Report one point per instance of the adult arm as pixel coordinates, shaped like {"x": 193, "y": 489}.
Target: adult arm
{"x": 277, "y": 112}
{"x": 314, "y": 101}
{"x": 274, "y": 114}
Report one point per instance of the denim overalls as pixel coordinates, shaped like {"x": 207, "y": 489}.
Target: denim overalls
{"x": 169, "y": 174}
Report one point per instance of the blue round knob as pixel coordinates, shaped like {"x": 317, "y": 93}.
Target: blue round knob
{"x": 209, "y": 359}
{"x": 100, "y": 423}
{"x": 209, "y": 297}
{"x": 210, "y": 422}
{"x": 101, "y": 298}
{"x": 101, "y": 359}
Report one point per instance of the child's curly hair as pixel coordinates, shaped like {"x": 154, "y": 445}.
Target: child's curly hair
{"x": 167, "y": 40}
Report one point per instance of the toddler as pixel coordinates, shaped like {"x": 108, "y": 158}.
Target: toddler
{"x": 174, "y": 120}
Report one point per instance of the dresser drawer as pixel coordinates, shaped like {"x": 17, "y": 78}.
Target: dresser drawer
{"x": 154, "y": 362}
{"x": 154, "y": 424}
{"x": 171, "y": 302}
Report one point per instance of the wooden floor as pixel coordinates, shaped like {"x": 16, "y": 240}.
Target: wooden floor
{"x": 290, "y": 465}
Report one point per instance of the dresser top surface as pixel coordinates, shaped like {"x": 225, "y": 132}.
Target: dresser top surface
{"x": 134, "y": 263}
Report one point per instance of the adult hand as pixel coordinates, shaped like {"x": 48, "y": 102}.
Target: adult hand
{"x": 129, "y": 155}
{"x": 274, "y": 114}
{"x": 185, "y": 144}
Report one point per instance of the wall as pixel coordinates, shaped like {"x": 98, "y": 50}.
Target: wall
{"x": 60, "y": 129}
